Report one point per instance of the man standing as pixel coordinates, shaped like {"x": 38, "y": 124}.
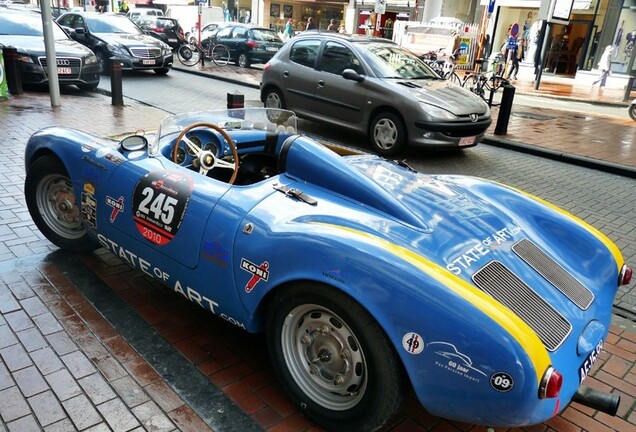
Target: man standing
{"x": 516, "y": 54}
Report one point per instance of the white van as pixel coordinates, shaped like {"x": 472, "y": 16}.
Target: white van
{"x": 135, "y": 13}
{"x": 188, "y": 16}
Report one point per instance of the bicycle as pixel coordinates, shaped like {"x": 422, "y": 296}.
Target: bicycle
{"x": 189, "y": 54}
{"x": 444, "y": 68}
{"x": 485, "y": 85}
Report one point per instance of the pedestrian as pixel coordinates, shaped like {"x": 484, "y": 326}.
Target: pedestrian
{"x": 310, "y": 24}
{"x": 604, "y": 64}
{"x": 517, "y": 54}
{"x": 289, "y": 29}
{"x": 332, "y": 25}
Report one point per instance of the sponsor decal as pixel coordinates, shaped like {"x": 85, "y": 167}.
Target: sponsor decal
{"x": 89, "y": 206}
{"x": 333, "y": 275}
{"x": 502, "y": 382}
{"x": 258, "y": 273}
{"x": 585, "y": 368}
{"x": 117, "y": 205}
{"x": 153, "y": 271}
{"x": 455, "y": 361}
{"x": 215, "y": 252}
{"x": 92, "y": 162}
{"x": 481, "y": 248}
{"x": 160, "y": 201}
{"x": 413, "y": 343}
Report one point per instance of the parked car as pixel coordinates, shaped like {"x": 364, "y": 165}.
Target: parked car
{"x": 373, "y": 86}
{"x": 113, "y": 37}
{"x": 137, "y": 13}
{"x": 207, "y": 30}
{"x": 76, "y": 64}
{"x": 247, "y": 44}
{"x": 163, "y": 28}
{"x": 368, "y": 278}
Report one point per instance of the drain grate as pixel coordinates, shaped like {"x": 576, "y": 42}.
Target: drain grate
{"x": 533, "y": 116}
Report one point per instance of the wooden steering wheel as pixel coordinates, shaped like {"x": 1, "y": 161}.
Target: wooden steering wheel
{"x": 208, "y": 160}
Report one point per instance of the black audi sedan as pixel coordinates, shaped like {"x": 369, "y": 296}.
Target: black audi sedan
{"x": 22, "y": 29}
{"x": 114, "y": 38}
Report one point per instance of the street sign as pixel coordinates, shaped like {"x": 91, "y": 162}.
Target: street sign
{"x": 514, "y": 30}
{"x": 380, "y": 7}
{"x": 491, "y": 6}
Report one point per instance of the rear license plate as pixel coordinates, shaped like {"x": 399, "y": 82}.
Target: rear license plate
{"x": 585, "y": 368}
{"x": 148, "y": 62}
{"x": 172, "y": 40}
{"x": 64, "y": 71}
{"x": 470, "y": 140}
{"x": 271, "y": 49}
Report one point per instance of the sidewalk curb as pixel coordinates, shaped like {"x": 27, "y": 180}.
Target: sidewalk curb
{"x": 573, "y": 159}
{"x": 520, "y": 91}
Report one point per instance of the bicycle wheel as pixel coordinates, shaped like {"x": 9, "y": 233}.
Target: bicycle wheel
{"x": 188, "y": 55}
{"x": 474, "y": 83}
{"x": 220, "y": 55}
{"x": 454, "y": 78}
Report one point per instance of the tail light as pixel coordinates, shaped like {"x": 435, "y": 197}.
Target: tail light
{"x": 625, "y": 276}
{"x": 181, "y": 32}
{"x": 550, "y": 384}
{"x": 158, "y": 29}
{"x": 252, "y": 44}
{"x": 267, "y": 66}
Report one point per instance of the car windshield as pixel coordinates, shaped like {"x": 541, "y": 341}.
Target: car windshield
{"x": 391, "y": 61}
{"x": 112, "y": 24}
{"x": 27, "y": 24}
{"x": 265, "y": 35}
{"x": 266, "y": 119}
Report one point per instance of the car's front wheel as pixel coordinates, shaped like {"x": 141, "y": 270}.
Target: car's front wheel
{"x": 274, "y": 99}
{"x": 333, "y": 359}
{"x": 387, "y": 134}
{"x": 51, "y": 202}
{"x": 102, "y": 62}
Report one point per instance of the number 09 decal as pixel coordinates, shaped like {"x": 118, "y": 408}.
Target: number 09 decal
{"x": 160, "y": 201}
{"x": 502, "y": 382}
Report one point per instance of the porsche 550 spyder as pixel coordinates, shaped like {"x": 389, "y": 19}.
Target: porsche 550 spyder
{"x": 367, "y": 277}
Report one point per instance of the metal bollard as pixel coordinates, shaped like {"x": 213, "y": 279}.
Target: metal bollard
{"x": 235, "y": 100}
{"x": 505, "y": 109}
{"x": 12, "y": 69}
{"x": 117, "y": 94}
{"x": 628, "y": 89}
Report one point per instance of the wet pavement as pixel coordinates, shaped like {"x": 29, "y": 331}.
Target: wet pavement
{"x": 87, "y": 343}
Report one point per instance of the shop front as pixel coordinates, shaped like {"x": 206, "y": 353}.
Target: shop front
{"x": 275, "y": 14}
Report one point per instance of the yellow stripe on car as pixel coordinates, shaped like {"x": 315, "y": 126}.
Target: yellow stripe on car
{"x": 618, "y": 256}
{"x": 503, "y": 316}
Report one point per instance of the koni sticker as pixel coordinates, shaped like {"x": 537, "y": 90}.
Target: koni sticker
{"x": 89, "y": 206}
{"x": 117, "y": 205}
{"x": 413, "y": 343}
{"x": 259, "y": 272}
{"x": 160, "y": 201}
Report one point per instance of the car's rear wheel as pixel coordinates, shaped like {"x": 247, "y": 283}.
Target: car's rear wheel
{"x": 387, "y": 134}
{"x": 243, "y": 60}
{"x": 51, "y": 202}
{"x": 333, "y": 359}
{"x": 274, "y": 99}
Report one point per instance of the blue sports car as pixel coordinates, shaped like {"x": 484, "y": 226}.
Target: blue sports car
{"x": 367, "y": 277}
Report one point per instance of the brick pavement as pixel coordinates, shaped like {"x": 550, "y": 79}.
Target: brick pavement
{"x": 64, "y": 366}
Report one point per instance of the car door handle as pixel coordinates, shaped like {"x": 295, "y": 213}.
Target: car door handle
{"x": 286, "y": 74}
{"x": 321, "y": 83}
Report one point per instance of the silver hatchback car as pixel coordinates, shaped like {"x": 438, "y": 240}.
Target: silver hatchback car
{"x": 375, "y": 87}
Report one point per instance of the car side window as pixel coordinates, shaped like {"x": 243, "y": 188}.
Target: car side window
{"x": 337, "y": 57}
{"x": 304, "y": 52}
{"x": 239, "y": 33}
{"x": 224, "y": 32}
{"x": 67, "y": 20}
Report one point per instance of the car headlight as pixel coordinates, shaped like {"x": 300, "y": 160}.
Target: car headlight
{"x": 25, "y": 58}
{"x": 90, "y": 59}
{"x": 437, "y": 112}
{"x": 116, "y": 49}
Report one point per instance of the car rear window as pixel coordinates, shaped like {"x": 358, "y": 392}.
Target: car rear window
{"x": 265, "y": 35}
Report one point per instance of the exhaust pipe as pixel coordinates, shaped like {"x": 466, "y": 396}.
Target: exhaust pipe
{"x": 598, "y": 400}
